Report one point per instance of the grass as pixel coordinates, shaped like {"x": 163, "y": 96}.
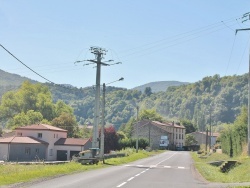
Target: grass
{"x": 16, "y": 173}
{"x": 240, "y": 173}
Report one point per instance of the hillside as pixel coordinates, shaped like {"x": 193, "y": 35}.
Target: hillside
{"x": 10, "y": 81}
{"x": 159, "y": 86}
{"x": 223, "y": 97}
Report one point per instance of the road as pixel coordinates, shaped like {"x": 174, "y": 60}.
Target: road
{"x": 168, "y": 169}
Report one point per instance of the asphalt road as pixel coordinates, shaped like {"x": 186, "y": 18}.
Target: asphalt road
{"x": 169, "y": 169}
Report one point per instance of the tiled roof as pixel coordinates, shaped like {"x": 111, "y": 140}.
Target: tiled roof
{"x": 41, "y": 127}
{"x": 160, "y": 125}
{"x": 71, "y": 141}
{"x": 22, "y": 140}
{"x": 214, "y": 134}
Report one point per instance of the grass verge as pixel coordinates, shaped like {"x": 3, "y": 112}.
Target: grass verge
{"x": 240, "y": 173}
{"x": 16, "y": 173}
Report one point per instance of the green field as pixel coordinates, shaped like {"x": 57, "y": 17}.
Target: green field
{"x": 240, "y": 173}
{"x": 16, "y": 173}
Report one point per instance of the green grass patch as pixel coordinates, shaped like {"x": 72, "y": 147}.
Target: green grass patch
{"x": 240, "y": 173}
{"x": 16, "y": 173}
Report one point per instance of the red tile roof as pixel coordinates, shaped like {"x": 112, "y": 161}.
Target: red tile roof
{"x": 41, "y": 127}
{"x": 72, "y": 141}
{"x": 22, "y": 140}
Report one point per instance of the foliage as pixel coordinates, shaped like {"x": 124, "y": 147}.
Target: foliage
{"x": 68, "y": 122}
{"x": 190, "y": 140}
{"x": 223, "y": 96}
{"x": 110, "y": 139}
{"x": 131, "y": 143}
{"x": 233, "y": 137}
{"x": 212, "y": 173}
{"x": 150, "y": 114}
{"x": 188, "y": 125}
{"x": 30, "y": 104}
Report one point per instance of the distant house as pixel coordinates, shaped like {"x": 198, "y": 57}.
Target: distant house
{"x": 155, "y": 131}
{"x": 40, "y": 142}
{"x": 200, "y": 137}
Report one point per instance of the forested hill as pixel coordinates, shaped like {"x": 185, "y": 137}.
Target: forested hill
{"x": 159, "y": 86}
{"x": 10, "y": 81}
{"x": 221, "y": 96}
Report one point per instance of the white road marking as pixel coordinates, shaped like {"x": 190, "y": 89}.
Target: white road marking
{"x": 181, "y": 167}
{"x": 122, "y": 184}
{"x": 139, "y": 165}
{"x": 167, "y": 166}
{"x": 137, "y": 174}
{"x": 130, "y": 178}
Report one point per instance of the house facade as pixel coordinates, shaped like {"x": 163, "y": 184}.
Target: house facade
{"x": 204, "y": 138}
{"x": 155, "y": 131}
{"x": 41, "y": 142}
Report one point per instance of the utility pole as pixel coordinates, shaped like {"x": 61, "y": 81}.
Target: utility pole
{"x": 137, "y": 119}
{"x": 103, "y": 117}
{"x": 247, "y": 16}
{"x": 103, "y": 122}
{"x": 99, "y": 53}
{"x": 210, "y": 138}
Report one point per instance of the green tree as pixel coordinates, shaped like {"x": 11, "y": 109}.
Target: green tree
{"x": 188, "y": 125}
{"x": 150, "y": 115}
{"x": 68, "y": 122}
{"x": 148, "y": 91}
{"x": 190, "y": 140}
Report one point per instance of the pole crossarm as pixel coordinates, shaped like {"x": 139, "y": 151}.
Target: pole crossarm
{"x": 246, "y": 29}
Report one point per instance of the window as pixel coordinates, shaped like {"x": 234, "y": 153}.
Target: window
{"x": 51, "y": 152}
{"x": 27, "y": 151}
{"x": 37, "y": 150}
{"x": 179, "y": 136}
{"x": 39, "y": 135}
{"x": 182, "y": 136}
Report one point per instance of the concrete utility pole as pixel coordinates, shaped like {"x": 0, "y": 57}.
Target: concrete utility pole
{"x": 103, "y": 122}
{"x": 99, "y": 53}
{"x": 137, "y": 119}
{"x": 247, "y": 16}
{"x": 103, "y": 117}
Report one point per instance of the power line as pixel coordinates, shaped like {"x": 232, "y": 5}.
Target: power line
{"x": 25, "y": 64}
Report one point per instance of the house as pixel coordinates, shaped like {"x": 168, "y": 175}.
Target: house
{"x": 156, "y": 132}
{"x": 41, "y": 142}
{"x": 200, "y": 137}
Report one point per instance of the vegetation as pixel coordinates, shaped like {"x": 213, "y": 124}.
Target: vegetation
{"x": 32, "y": 103}
{"x": 234, "y": 136}
{"x": 212, "y": 173}
{"x": 222, "y": 97}
{"x": 16, "y": 173}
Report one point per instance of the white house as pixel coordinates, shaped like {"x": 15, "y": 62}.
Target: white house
{"x": 41, "y": 141}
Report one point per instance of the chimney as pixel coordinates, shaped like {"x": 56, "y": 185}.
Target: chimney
{"x": 173, "y": 123}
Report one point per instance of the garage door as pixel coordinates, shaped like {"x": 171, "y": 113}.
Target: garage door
{"x": 61, "y": 155}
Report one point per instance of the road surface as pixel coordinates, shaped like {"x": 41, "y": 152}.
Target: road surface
{"x": 169, "y": 169}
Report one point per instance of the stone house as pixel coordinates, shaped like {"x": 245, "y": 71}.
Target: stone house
{"x": 153, "y": 131}
{"x": 40, "y": 142}
{"x": 200, "y": 137}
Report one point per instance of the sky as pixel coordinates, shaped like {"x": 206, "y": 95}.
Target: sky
{"x": 162, "y": 40}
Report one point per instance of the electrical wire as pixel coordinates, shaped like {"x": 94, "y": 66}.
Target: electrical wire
{"x": 243, "y": 54}
{"x": 230, "y": 56}
{"x": 25, "y": 64}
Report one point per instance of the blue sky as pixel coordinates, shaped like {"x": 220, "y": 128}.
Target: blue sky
{"x": 159, "y": 40}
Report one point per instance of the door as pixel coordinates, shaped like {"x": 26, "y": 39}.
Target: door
{"x": 61, "y": 155}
